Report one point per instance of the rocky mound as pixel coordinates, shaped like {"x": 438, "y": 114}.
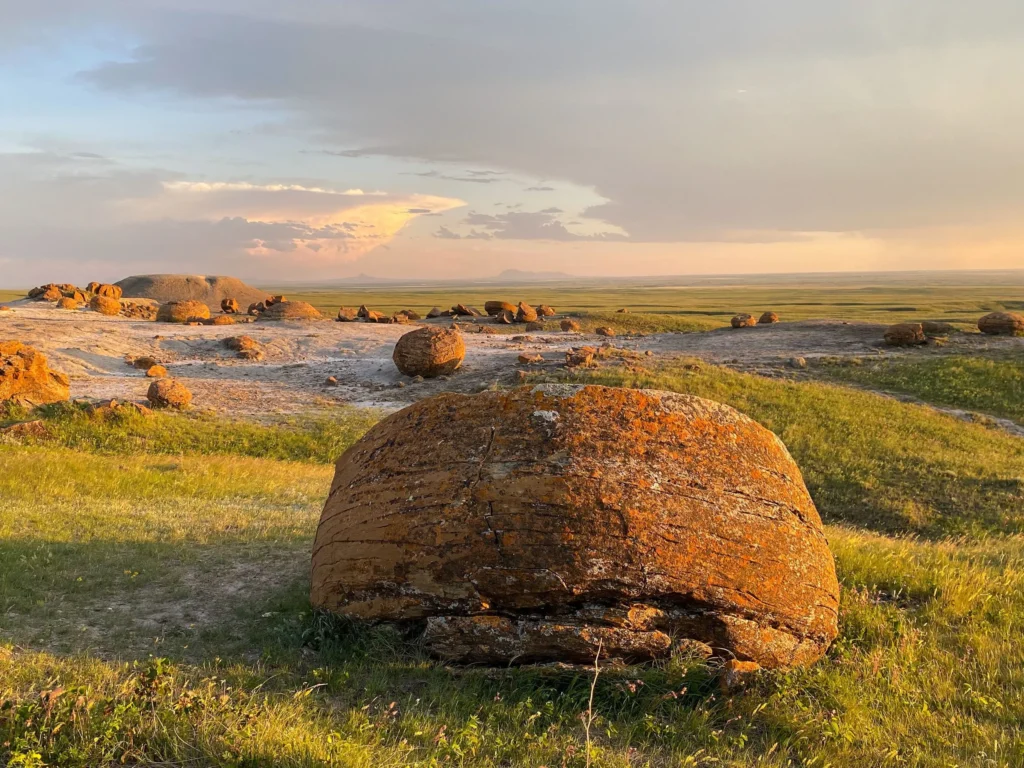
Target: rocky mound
{"x": 183, "y": 312}
{"x": 26, "y": 378}
{"x": 1002, "y": 324}
{"x": 211, "y": 291}
{"x": 430, "y": 352}
{"x": 291, "y": 310}
{"x": 542, "y": 522}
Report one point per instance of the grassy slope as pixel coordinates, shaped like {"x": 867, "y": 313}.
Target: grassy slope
{"x": 99, "y": 546}
{"x": 993, "y": 387}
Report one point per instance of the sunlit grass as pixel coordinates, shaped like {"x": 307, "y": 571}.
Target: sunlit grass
{"x": 154, "y": 606}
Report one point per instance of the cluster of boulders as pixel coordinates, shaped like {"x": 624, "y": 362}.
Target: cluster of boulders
{"x": 554, "y": 523}
{"x": 26, "y": 378}
{"x": 364, "y": 314}
{"x": 257, "y": 308}
{"x": 745, "y": 320}
{"x": 153, "y": 368}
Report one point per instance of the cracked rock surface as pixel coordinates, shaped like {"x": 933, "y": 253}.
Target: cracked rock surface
{"x": 539, "y": 523}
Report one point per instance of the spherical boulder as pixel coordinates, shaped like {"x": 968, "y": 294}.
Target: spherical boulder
{"x": 291, "y": 310}
{"x": 768, "y": 318}
{"x": 66, "y": 303}
{"x": 188, "y": 311}
{"x": 495, "y": 308}
{"x": 743, "y": 321}
{"x": 905, "y": 335}
{"x": 544, "y": 523}
{"x": 543, "y": 310}
{"x": 169, "y": 393}
{"x": 430, "y": 352}
{"x": 105, "y": 305}
{"x": 1002, "y": 324}
{"x": 25, "y": 376}
{"x": 156, "y": 372}
{"x": 568, "y": 325}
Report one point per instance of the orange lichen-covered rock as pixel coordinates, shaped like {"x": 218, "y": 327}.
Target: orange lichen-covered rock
{"x": 430, "y": 352}
{"x": 545, "y": 522}
{"x": 495, "y": 308}
{"x": 105, "y": 305}
{"x": 291, "y": 310}
{"x": 26, "y": 378}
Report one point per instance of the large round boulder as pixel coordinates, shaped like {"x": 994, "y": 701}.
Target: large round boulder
{"x": 430, "y": 352}
{"x": 105, "y": 305}
{"x": 25, "y": 376}
{"x": 168, "y": 393}
{"x": 183, "y": 312}
{"x": 291, "y": 310}
{"x": 1002, "y": 324}
{"x": 905, "y": 335}
{"x": 543, "y": 523}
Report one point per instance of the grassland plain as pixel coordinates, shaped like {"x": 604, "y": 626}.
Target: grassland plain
{"x": 958, "y": 297}
{"x": 153, "y": 606}
{"x": 990, "y": 386}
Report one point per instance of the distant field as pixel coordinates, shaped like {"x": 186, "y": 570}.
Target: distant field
{"x": 953, "y": 297}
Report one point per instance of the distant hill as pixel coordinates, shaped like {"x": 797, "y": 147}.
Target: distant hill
{"x": 523, "y": 276}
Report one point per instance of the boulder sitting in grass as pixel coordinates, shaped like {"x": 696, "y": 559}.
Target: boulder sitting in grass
{"x": 183, "y": 312}
{"x": 905, "y": 335}
{"x": 26, "y": 378}
{"x": 105, "y": 305}
{"x": 527, "y": 533}
{"x": 168, "y": 393}
{"x": 768, "y": 318}
{"x": 568, "y": 326}
{"x": 430, "y": 352}
{"x": 937, "y": 328}
{"x": 743, "y": 321}
{"x": 543, "y": 310}
{"x": 1002, "y": 324}
{"x": 605, "y": 331}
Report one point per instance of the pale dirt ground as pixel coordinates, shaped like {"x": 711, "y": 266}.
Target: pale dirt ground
{"x": 300, "y": 356}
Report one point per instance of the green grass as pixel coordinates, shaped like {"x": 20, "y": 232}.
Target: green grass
{"x": 311, "y": 438}
{"x": 988, "y": 386}
{"x": 153, "y": 609}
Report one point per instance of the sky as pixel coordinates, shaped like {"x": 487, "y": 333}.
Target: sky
{"x": 320, "y": 139}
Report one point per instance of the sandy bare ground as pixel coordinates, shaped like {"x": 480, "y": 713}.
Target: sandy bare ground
{"x": 300, "y": 356}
